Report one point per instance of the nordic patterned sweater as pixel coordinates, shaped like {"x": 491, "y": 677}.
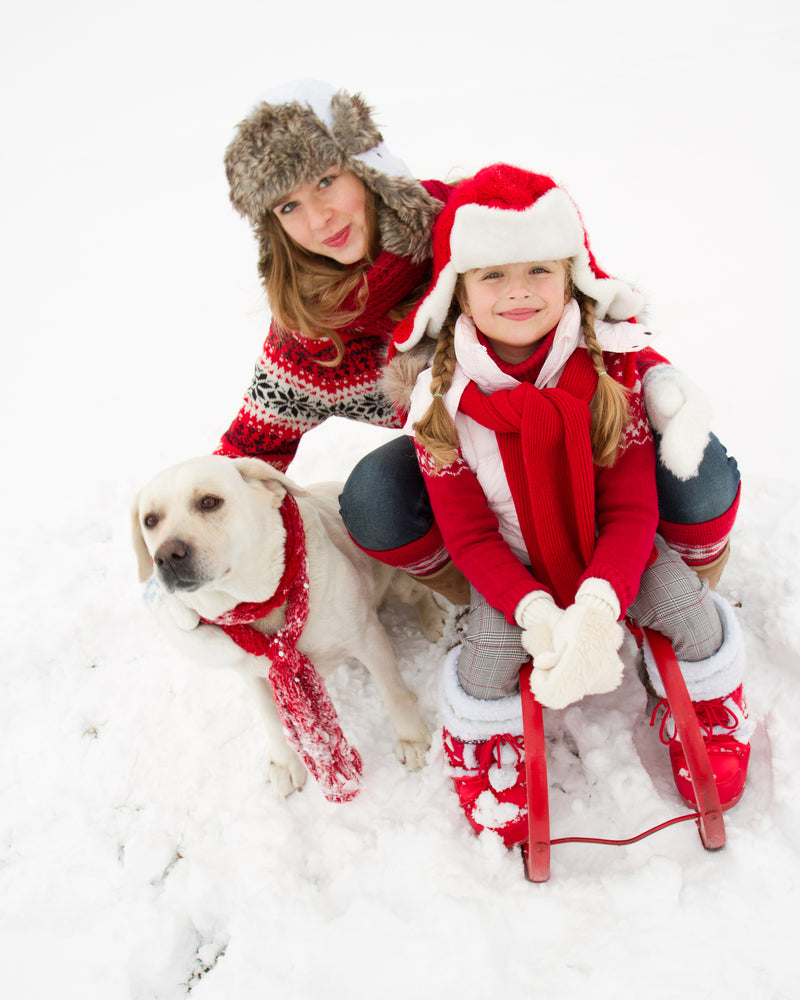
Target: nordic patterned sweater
{"x": 291, "y": 391}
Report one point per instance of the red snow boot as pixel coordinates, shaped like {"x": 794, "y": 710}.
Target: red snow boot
{"x": 489, "y": 779}
{"x": 720, "y": 719}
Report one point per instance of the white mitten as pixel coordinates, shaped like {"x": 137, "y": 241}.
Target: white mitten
{"x": 536, "y": 614}
{"x": 583, "y": 658}
{"x": 681, "y": 413}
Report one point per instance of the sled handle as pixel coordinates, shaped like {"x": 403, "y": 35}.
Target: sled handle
{"x": 536, "y": 853}
{"x": 706, "y": 793}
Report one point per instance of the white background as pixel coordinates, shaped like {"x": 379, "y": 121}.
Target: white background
{"x": 132, "y": 314}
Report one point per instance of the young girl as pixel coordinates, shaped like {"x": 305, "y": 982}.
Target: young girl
{"x": 539, "y": 463}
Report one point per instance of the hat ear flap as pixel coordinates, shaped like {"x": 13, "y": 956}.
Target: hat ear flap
{"x": 615, "y": 299}
{"x": 431, "y": 312}
{"x": 353, "y": 128}
{"x": 406, "y": 213}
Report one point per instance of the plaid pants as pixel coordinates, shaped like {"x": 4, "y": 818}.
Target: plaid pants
{"x": 672, "y": 599}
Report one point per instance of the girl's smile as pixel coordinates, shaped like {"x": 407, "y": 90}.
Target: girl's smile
{"x": 328, "y": 217}
{"x": 515, "y": 305}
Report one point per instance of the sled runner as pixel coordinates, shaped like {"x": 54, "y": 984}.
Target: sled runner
{"x": 536, "y": 853}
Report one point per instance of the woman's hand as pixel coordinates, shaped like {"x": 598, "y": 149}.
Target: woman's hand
{"x": 680, "y": 413}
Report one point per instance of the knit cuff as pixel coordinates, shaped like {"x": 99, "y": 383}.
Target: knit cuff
{"x": 536, "y": 608}
{"x": 423, "y": 557}
{"x": 700, "y": 544}
{"x": 600, "y": 595}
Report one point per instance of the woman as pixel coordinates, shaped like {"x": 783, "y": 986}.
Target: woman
{"x": 344, "y": 252}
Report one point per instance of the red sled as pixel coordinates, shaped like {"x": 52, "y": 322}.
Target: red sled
{"x": 710, "y": 822}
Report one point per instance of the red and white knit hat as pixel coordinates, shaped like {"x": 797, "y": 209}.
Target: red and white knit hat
{"x": 503, "y": 215}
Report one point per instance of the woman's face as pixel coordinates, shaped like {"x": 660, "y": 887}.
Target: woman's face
{"x": 328, "y": 216}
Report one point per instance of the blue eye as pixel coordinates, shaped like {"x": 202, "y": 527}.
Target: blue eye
{"x": 492, "y": 274}
{"x": 288, "y": 207}
{"x": 327, "y": 181}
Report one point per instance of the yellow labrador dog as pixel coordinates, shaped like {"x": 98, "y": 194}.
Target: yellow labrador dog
{"x": 211, "y": 532}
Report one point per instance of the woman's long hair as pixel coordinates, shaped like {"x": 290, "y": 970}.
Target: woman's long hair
{"x": 306, "y": 290}
{"x": 437, "y": 433}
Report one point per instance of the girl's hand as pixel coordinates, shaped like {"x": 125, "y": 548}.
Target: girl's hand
{"x": 536, "y": 614}
{"x": 582, "y": 657}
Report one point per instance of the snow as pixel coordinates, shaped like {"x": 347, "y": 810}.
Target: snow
{"x": 142, "y": 854}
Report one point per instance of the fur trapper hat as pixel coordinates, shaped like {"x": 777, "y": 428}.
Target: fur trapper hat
{"x": 503, "y": 215}
{"x": 297, "y": 132}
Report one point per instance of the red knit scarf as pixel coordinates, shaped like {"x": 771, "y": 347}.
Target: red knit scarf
{"x": 545, "y": 445}
{"x": 307, "y": 713}
{"x": 389, "y": 280}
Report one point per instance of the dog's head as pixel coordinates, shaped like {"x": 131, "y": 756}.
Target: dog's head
{"x": 209, "y": 522}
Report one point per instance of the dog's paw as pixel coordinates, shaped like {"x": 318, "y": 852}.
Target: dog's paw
{"x": 413, "y": 753}
{"x": 286, "y": 778}
{"x": 432, "y": 617}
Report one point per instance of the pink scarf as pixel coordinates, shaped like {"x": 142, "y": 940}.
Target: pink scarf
{"x": 309, "y": 719}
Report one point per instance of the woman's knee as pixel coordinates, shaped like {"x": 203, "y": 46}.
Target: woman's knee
{"x": 384, "y": 503}
{"x": 705, "y": 496}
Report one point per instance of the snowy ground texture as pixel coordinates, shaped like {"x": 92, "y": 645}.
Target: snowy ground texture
{"x": 142, "y": 855}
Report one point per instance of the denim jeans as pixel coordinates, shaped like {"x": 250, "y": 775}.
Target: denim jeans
{"x": 703, "y": 497}
{"x": 385, "y": 505}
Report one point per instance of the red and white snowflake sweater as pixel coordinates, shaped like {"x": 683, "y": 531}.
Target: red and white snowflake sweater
{"x": 472, "y": 499}
{"x": 291, "y": 391}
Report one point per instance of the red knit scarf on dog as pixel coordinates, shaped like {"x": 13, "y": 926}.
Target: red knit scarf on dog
{"x": 544, "y": 442}
{"x": 309, "y": 719}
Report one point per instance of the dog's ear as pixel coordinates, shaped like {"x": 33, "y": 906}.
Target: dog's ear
{"x": 253, "y": 470}
{"x": 143, "y": 558}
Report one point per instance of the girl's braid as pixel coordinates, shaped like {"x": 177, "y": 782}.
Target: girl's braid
{"x": 610, "y": 410}
{"x": 436, "y": 431}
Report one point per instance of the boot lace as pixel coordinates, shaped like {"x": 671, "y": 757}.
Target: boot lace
{"x": 710, "y": 714}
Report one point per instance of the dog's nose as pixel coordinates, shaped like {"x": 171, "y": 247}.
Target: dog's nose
{"x": 172, "y": 551}
{"x": 175, "y": 565}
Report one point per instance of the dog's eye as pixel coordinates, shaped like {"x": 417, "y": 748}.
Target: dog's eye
{"x": 150, "y": 521}
{"x": 210, "y": 503}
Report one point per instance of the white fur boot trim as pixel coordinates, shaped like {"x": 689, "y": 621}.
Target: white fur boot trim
{"x": 474, "y": 719}
{"x": 717, "y": 675}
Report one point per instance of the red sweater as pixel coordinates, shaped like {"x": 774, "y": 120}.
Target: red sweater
{"x": 626, "y": 517}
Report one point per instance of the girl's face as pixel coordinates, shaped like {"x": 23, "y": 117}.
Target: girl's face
{"x": 515, "y": 305}
{"x": 328, "y": 216}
